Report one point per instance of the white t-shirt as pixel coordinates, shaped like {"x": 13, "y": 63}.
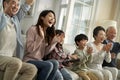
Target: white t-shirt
{"x": 8, "y": 40}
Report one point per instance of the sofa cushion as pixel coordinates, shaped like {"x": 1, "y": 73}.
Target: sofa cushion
{"x": 69, "y": 48}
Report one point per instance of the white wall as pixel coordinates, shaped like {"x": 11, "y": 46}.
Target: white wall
{"x": 39, "y": 6}
{"x": 105, "y": 11}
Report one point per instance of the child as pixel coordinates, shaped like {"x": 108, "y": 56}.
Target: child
{"x": 59, "y": 55}
{"x": 80, "y": 67}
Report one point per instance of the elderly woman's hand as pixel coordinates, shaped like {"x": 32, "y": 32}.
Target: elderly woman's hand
{"x": 107, "y": 47}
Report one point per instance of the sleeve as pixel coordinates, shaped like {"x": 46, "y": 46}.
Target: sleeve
{"x": 22, "y": 11}
{"x": 90, "y": 59}
{"x": 32, "y": 43}
{"x": 118, "y": 47}
{"x": 83, "y": 59}
{"x": 107, "y": 57}
{"x": 50, "y": 47}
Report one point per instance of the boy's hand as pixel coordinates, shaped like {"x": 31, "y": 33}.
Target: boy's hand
{"x": 89, "y": 50}
{"x": 74, "y": 56}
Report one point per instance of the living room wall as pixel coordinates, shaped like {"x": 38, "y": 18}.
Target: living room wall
{"x": 39, "y": 6}
{"x": 105, "y": 11}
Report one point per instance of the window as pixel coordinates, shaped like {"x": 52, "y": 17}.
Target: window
{"x": 75, "y": 17}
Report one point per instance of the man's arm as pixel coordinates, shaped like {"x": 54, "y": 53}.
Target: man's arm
{"x": 24, "y": 8}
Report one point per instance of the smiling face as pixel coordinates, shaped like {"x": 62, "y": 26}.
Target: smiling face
{"x": 49, "y": 19}
{"x": 99, "y": 34}
{"x": 62, "y": 36}
{"x": 82, "y": 43}
{"x": 111, "y": 33}
{"x": 11, "y": 7}
{"x": 100, "y": 37}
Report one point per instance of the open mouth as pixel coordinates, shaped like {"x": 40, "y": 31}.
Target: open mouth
{"x": 50, "y": 23}
{"x": 14, "y": 9}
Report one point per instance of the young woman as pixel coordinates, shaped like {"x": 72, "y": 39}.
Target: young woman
{"x": 101, "y": 52}
{"x": 40, "y": 41}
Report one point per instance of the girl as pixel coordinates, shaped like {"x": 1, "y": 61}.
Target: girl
{"x": 59, "y": 55}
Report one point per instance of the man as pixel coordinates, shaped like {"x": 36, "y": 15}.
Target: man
{"x": 115, "y": 49}
{"x": 111, "y": 34}
{"x": 10, "y": 41}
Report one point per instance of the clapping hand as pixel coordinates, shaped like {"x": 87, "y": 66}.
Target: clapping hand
{"x": 107, "y": 47}
{"x": 74, "y": 56}
{"x": 56, "y": 39}
{"x": 89, "y": 50}
{"x": 113, "y": 55}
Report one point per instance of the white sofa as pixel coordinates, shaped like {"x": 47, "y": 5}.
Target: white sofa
{"x": 68, "y": 48}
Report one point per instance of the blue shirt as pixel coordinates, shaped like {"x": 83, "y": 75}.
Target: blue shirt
{"x": 115, "y": 49}
{"x": 16, "y": 21}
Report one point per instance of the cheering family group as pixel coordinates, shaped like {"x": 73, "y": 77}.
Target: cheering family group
{"x": 43, "y": 57}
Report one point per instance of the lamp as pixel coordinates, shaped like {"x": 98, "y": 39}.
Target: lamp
{"x": 108, "y": 23}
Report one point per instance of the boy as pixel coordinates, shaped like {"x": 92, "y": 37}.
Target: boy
{"x": 84, "y": 54}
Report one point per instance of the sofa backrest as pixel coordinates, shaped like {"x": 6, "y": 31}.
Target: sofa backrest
{"x": 69, "y": 48}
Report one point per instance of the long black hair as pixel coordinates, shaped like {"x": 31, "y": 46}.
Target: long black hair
{"x": 50, "y": 32}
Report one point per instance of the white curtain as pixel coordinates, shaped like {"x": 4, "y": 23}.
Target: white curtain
{"x": 1, "y": 5}
{"x": 117, "y": 18}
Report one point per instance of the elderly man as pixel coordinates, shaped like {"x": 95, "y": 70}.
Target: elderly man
{"x": 10, "y": 40}
{"x": 110, "y": 35}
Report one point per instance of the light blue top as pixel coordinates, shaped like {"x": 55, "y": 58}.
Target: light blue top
{"x": 16, "y": 21}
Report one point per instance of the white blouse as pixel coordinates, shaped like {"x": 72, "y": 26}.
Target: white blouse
{"x": 97, "y": 57}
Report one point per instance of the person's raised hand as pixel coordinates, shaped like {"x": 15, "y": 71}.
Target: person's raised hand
{"x": 89, "y": 50}
{"x": 29, "y": 2}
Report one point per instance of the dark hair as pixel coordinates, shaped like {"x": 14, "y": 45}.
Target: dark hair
{"x": 80, "y": 37}
{"x": 59, "y": 32}
{"x": 96, "y": 30}
{"x": 50, "y": 32}
{"x": 6, "y": 1}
